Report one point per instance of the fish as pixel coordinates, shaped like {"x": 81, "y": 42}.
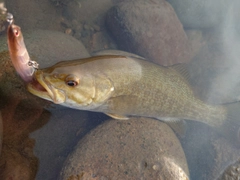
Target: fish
{"x": 19, "y": 54}
{"x": 122, "y": 86}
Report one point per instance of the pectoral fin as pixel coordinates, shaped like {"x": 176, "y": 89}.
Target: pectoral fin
{"x": 117, "y": 116}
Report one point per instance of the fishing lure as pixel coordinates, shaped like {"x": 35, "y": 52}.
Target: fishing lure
{"x": 24, "y": 66}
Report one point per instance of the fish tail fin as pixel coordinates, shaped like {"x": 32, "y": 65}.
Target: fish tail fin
{"x": 231, "y": 126}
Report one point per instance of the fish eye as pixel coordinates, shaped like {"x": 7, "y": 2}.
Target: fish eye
{"x": 71, "y": 83}
{"x": 72, "y": 80}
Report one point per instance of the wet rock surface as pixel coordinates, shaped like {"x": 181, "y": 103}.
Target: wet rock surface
{"x": 200, "y": 14}
{"x": 31, "y": 14}
{"x": 85, "y": 20}
{"x": 133, "y": 149}
{"x": 150, "y": 29}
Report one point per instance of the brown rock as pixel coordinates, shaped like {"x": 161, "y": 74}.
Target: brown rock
{"x": 133, "y": 149}
{"x": 34, "y": 14}
{"x": 1, "y": 132}
{"x": 88, "y": 11}
{"x": 100, "y": 41}
{"x": 150, "y": 29}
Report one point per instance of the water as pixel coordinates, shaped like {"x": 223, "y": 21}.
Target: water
{"x": 40, "y": 138}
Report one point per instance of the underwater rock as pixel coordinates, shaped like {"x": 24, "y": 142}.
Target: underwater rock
{"x": 1, "y": 132}
{"x": 87, "y": 21}
{"x": 101, "y": 41}
{"x": 56, "y": 139}
{"x": 200, "y": 14}
{"x": 18, "y": 163}
{"x": 227, "y": 164}
{"x": 49, "y": 47}
{"x": 22, "y": 112}
{"x": 150, "y": 29}
{"x": 90, "y": 11}
{"x": 31, "y": 15}
{"x": 138, "y": 148}
{"x": 209, "y": 154}
{"x": 232, "y": 172}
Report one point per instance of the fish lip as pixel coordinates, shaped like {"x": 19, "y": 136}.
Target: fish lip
{"x": 32, "y": 89}
{"x": 50, "y": 91}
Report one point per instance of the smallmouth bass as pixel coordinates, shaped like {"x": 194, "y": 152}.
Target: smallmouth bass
{"x": 122, "y": 86}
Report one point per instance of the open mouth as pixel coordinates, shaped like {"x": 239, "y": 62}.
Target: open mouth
{"x": 37, "y": 89}
{"x": 42, "y": 88}
{"x": 37, "y": 86}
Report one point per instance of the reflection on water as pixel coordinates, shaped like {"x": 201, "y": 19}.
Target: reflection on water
{"x": 37, "y": 142}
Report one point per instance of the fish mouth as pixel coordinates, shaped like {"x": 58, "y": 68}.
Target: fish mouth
{"x": 42, "y": 88}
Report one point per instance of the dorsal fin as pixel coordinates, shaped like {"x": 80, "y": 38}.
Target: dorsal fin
{"x": 117, "y": 52}
{"x": 182, "y": 69}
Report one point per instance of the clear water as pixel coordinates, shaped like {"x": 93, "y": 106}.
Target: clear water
{"x": 38, "y": 136}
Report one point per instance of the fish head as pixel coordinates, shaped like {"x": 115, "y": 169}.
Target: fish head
{"x": 70, "y": 87}
{"x": 15, "y": 38}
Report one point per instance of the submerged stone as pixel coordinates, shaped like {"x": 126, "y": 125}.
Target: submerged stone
{"x": 133, "y": 149}
{"x": 150, "y": 29}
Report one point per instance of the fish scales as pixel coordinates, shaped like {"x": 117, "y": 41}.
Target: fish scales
{"x": 126, "y": 86}
{"x": 161, "y": 92}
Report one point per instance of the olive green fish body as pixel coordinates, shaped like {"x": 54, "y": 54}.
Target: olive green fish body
{"x": 162, "y": 93}
{"x": 124, "y": 86}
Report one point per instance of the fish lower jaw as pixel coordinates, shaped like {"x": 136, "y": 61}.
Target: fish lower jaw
{"x": 88, "y": 106}
{"x": 46, "y": 92}
{"x": 42, "y": 94}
